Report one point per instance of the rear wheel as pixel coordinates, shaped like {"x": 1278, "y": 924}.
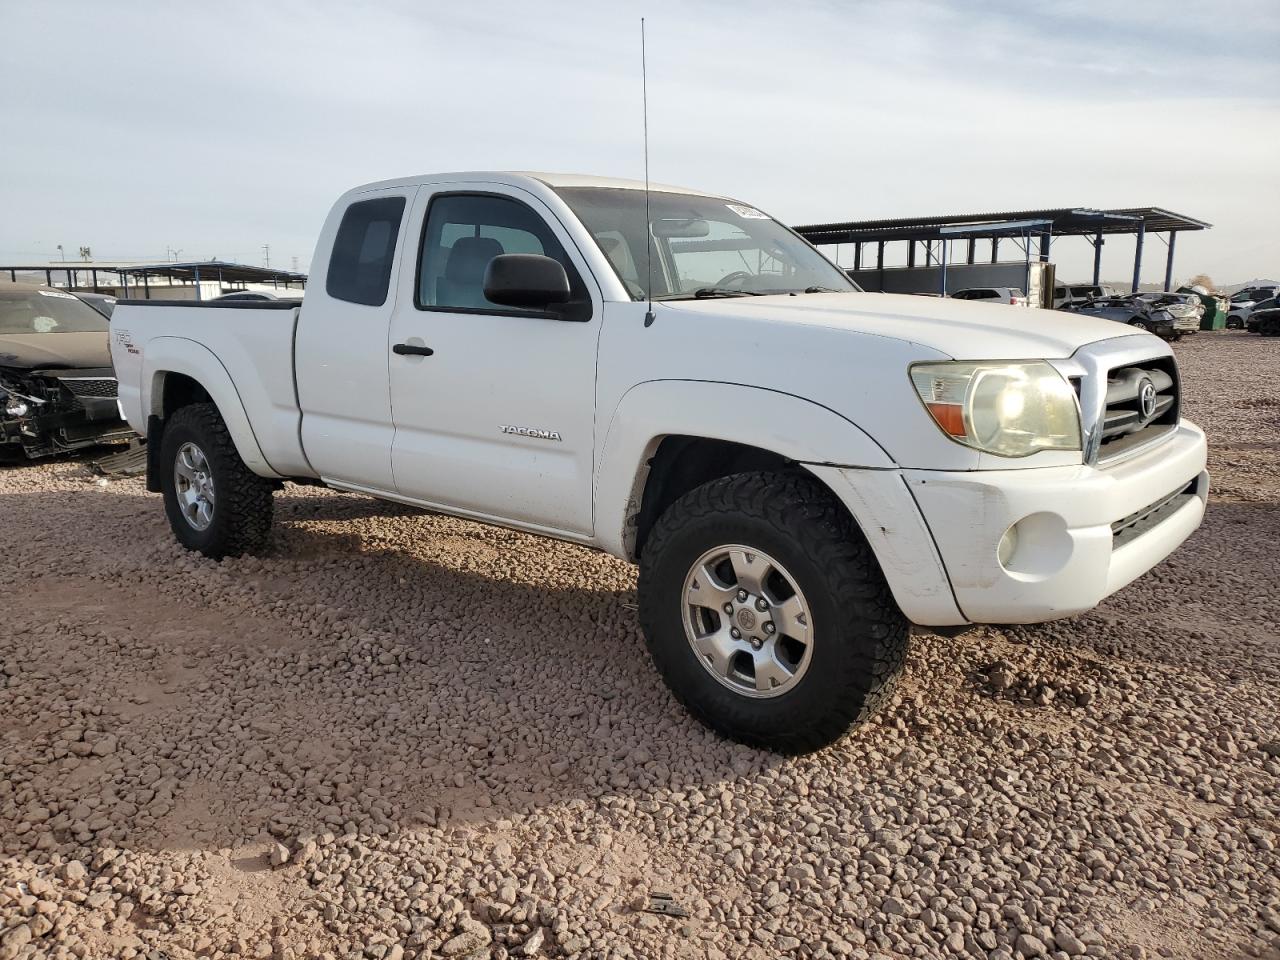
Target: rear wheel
{"x": 766, "y": 612}
{"x": 215, "y": 504}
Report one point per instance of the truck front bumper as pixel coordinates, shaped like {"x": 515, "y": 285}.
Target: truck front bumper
{"x": 1029, "y": 545}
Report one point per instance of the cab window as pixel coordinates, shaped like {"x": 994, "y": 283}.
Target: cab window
{"x": 364, "y": 250}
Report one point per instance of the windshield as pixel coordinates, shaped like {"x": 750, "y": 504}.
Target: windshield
{"x": 47, "y": 311}
{"x": 702, "y": 246}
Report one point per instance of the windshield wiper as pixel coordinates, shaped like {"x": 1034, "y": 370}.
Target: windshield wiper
{"x": 821, "y": 290}
{"x": 703, "y": 292}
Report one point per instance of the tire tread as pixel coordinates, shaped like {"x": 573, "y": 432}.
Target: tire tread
{"x": 244, "y": 507}
{"x": 797, "y": 505}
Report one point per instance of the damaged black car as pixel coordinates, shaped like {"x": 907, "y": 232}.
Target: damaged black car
{"x": 57, "y": 388}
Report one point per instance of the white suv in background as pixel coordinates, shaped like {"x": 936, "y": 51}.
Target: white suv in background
{"x": 1010, "y": 295}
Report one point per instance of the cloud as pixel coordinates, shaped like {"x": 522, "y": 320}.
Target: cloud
{"x": 218, "y": 135}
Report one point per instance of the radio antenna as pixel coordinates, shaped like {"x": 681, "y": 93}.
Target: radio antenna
{"x": 648, "y": 223}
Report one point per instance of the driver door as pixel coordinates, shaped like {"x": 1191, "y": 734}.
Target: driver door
{"x": 498, "y": 420}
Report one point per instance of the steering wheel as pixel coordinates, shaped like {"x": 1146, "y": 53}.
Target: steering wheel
{"x": 738, "y": 276}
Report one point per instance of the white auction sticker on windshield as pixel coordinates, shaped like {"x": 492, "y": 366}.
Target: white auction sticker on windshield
{"x": 55, "y": 293}
{"x": 747, "y": 213}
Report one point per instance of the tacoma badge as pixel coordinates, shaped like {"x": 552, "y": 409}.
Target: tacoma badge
{"x": 531, "y": 432}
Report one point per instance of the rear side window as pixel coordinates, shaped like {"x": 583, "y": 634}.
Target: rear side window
{"x": 363, "y": 251}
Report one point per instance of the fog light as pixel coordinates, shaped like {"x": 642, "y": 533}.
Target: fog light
{"x": 16, "y": 407}
{"x": 1036, "y": 547}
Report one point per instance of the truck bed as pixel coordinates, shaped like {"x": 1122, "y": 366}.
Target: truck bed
{"x": 252, "y": 340}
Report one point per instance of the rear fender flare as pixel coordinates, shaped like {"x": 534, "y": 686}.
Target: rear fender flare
{"x": 165, "y": 355}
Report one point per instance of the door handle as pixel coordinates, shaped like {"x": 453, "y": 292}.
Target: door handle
{"x": 411, "y": 350}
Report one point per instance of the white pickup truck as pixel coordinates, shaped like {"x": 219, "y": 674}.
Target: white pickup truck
{"x": 801, "y": 469}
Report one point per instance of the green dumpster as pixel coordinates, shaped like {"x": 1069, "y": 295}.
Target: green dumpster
{"x": 1215, "y": 309}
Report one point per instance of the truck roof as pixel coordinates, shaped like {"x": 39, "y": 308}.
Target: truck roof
{"x": 525, "y": 178}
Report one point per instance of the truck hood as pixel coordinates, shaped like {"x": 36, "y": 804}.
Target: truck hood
{"x": 28, "y": 351}
{"x": 960, "y": 329}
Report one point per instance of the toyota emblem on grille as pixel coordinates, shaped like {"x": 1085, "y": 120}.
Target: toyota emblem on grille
{"x": 1147, "y": 399}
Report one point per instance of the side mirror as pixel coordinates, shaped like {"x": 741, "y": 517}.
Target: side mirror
{"x": 525, "y": 280}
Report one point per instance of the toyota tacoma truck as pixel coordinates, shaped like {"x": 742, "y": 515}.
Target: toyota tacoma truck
{"x": 800, "y": 469}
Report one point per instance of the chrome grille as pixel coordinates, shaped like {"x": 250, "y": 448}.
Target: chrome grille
{"x": 91, "y": 386}
{"x": 1141, "y": 405}
{"x": 1095, "y": 369}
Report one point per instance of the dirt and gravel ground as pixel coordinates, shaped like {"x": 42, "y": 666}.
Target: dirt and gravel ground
{"x": 401, "y": 735}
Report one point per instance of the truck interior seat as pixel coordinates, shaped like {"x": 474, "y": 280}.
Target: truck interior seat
{"x": 463, "y": 282}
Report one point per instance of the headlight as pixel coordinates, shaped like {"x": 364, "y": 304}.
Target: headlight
{"x": 1009, "y": 409}
{"x": 16, "y": 407}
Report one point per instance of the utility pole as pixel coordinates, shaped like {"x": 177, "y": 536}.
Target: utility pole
{"x": 295, "y": 264}
{"x": 266, "y": 254}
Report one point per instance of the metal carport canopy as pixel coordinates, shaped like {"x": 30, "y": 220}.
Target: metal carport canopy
{"x": 126, "y": 270}
{"x": 1046, "y": 224}
{"x": 1064, "y": 221}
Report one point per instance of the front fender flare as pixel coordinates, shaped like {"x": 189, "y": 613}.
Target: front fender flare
{"x": 165, "y": 355}
{"x": 781, "y": 423}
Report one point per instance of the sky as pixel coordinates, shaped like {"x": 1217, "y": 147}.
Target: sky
{"x": 135, "y": 129}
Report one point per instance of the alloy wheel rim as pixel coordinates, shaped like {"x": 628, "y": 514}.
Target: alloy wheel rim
{"x": 193, "y": 484}
{"x": 747, "y": 621}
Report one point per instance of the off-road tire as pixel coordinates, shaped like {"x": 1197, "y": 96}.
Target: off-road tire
{"x": 242, "y": 506}
{"x": 860, "y": 637}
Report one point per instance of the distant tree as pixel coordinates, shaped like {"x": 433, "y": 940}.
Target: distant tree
{"x": 1201, "y": 280}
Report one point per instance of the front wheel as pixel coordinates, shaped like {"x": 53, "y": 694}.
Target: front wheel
{"x": 765, "y": 611}
{"x": 215, "y": 504}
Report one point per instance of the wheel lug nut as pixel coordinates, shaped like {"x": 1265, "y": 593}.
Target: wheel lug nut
{"x": 769, "y": 628}
{"x": 735, "y": 633}
{"x": 728, "y": 608}
{"x": 761, "y": 605}
{"x": 742, "y": 596}
{"x": 756, "y": 644}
